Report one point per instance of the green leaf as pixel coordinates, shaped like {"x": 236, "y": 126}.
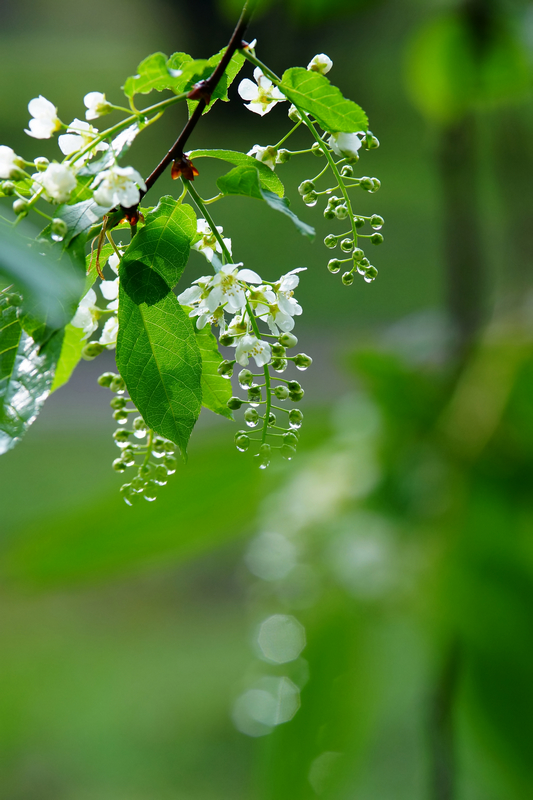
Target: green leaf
{"x": 80, "y": 218}
{"x": 164, "y": 243}
{"x": 26, "y": 374}
{"x": 314, "y": 93}
{"x": 216, "y": 390}
{"x": 73, "y": 343}
{"x": 268, "y": 178}
{"x": 51, "y": 285}
{"x": 152, "y": 73}
{"x": 157, "y": 354}
{"x": 245, "y": 181}
{"x": 221, "y": 90}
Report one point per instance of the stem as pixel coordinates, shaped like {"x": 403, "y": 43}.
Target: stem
{"x": 287, "y": 135}
{"x": 208, "y": 218}
{"x": 149, "y": 449}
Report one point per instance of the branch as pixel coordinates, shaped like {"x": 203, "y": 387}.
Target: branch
{"x": 202, "y": 92}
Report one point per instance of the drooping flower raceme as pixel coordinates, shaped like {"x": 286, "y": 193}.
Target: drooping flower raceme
{"x": 96, "y": 105}
{"x": 118, "y": 186}
{"x": 261, "y": 96}
{"x": 265, "y": 154}
{"x": 79, "y": 135}
{"x": 250, "y": 346}
{"x": 45, "y": 121}
{"x": 208, "y": 244}
{"x": 8, "y": 162}
{"x": 87, "y": 314}
{"x": 58, "y": 182}
{"x": 346, "y": 145}
{"x": 320, "y": 63}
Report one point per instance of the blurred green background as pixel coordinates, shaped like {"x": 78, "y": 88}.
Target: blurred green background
{"x": 134, "y": 662}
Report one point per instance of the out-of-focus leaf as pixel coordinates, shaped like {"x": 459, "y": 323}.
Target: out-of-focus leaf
{"x": 80, "y": 218}
{"x": 314, "y": 93}
{"x": 164, "y": 243}
{"x": 245, "y": 181}
{"x": 51, "y": 286}
{"x": 216, "y": 390}
{"x": 152, "y": 73}
{"x": 26, "y": 374}
{"x": 73, "y": 343}
{"x": 268, "y": 178}
{"x": 157, "y": 354}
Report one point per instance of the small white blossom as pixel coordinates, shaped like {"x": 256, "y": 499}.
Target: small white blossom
{"x": 58, "y": 182}
{"x": 267, "y": 155}
{"x": 45, "y": 121}
{"x": 251, "y": 346}
{"x": 285, "y": 306}
{"x": 87, "y": 314}
{"x": 227, "y": 288}
{"x": 80, "y": 134}
{"x": 114, "y": 262}
{"x": 262, "y": 95}
{"x": 345, "y": 144}
{"x": 110, "y": 333}
{"x": 96, "y": 105}
{"x": 208, "y": 244}
{"x": 118, "y": 186}
{"x": 109, "y": 290}
{"x": 320, "y": 63}
{"x": 8, "y": 162}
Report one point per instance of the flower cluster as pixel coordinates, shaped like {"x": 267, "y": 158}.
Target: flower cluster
{"x": 88, "y": 314}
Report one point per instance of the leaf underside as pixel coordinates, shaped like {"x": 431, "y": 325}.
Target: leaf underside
{"x": 268, "y": 178}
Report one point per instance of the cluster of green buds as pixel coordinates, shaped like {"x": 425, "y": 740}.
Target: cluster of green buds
{"x": 152, "y": 456}
{"x": 275, "y": 430}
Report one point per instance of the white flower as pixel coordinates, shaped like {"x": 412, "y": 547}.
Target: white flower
{"x": 250, "y": 345}
{"x": 96, "y": 105}
{"x": 109, "y": 290}
{"x": 118, "y": 186}
{"x": 110, "y": 333}
{"x": 87, "y": 315}
{"x": 285, "y": 307}
{"x": 345, "y": 144}
{"x": 265, "y": 154}
{"x": 227, "y": 289}
{"x": 58, "y": 182}
{"x": 190, "y": 296}
{"x": 80, "y": 134}
{"x": 114, "y": 262}
{"x": 8, "y": 165}
{"x": 261, "y": 96}
{"x": 320, "y": 63}
{"x": 45, "y": 121}
{"x": 208, "y": 244}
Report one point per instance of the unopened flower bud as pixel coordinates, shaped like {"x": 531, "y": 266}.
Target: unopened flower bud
{"x": 265, "y": 450}
{"x": 92, "y": 350}
{"x": 317, "y": 150}
{"x": 59, "y": 228}
{"x": 376, "y": 238}
{"x": 117, "y": 403}
{"x": 358, "y": 254}
{"x": 20, "y": 208}
{"x": 120, "y": 416}
{"x": 334, "y": 265}
{"x": 347, "y": 171}
{"x": 245, "y": 377}
{"x": 305, "y": 187}
{"x": 242, "y": 443}
{"x": 364, "y": 262}
{"x": 376, "y": 184}
{"x": 226, "y": 340}
{"x": 139, "y": 424}
{"x": 290, "y": 438}
{"x": 287, "y": 451}
{"x": 303, "y": 361}
{"x": 121, "y": 435}
{"x": 41, "y": 164}
{"x": 251, "y": 417}
{"x": 366, "y": 183}
{"x": 294, "y": 114}
{"x": 278, "y": 351}
{"x": 296, "y": 396}
{"x": 347, "y": 245}
{"x": 370, "y": 142}
{"x": 145, "y": 470}
{"x": 283, "y": 156}
{"x": 295, "y": 418}
{"x": 8, "y": 188}
{"x": 281, "y": 392}
{"x": 225, "y": 368}
{"x": 119, "y": 465}
{"x": 294, "y": 386}
{"x": 160, "y": 474}
{"x": 376, "y": 221}
{"x": 150, "y": 491}
{"x": 372, "y": 273}
{"x": 288, "y": 340}
{"x": 279, "y": 364}
{"x": 171, "y": 464}
{"x": 159, "y": 444}
{"x": 359, "y": 222}
{"x": 347, "y": 278}
{"x": 335, "y": 201}
{"x": 117, "y": 384}
{"x": 331, "y": 241}
{"x": 106, "y": 378}
{"x": 310, "y": 199}
{"x": 329, "y": 213}
{"x": 234, "y": 403}
{"x": 341, "y": 212}
{"x": 139, "y": 482}
{"x": 254, "y": 394}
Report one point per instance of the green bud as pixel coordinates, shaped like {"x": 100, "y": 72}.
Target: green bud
{"x": 376, "y": 238}
{"x": 296, "y": 396}
{"x": 310, "y": 199}
{"x": 160, "y": 474}
{"x": 370, "y": 142}
{"x": 305, "y": 187}
{"x": 226, "y": 340}
{"x": 139, "y": 424}
{"x": 126, "y": 492}
{"x": 59, "y": 227}
{"x": 330, "y": 241}
{"x": 150, "y": 491}
{"x": 335, "y": 201}
{"x": 118, "y": 402}
{"x": 138, "y": 483}
{"x": 20, "y": 208}
{"x": 119, "y": 465}
{"x": 366, "y": 183}
{"x": 287, "y": 451}
{"x": 329, "y": 213}
{"x": 278, "y": 351}
{"x": 283, "y": 156}
{"x": 376, "y": 221}
{"x": 92, "y": 350}
{"x": 117, "y": 384}
{"x": 376, "y": 184}
{"x": 265, "y": 449}
{"x": 128, "y": 457}
{"x": 171, "y": 464}
{"x": 364, "y": 262}
{"x": 294, "y": 114}
{"x": 347, "y": 245}
{"x": 288, "y": 340}
{"x": 254, "y": 394}
{"x": 159, "y": 444}
{"x": 242, "y": 441}
{"x": 281, "y": 392}
{"x": 251, "y": 417}
{"x": 145, "y": 470}
{"x": 347, "y": 278}
{"x": 295, "y": 418}
{"x": 120, "y": 416}
{"x": 271, "y": 418}
{"x": 234, "y": 403}
{"x": 372, "y": 272}
{"x": 290, "y": 438}
{"x": 294, "y": 386}
{"x": 225, "y": 368}
{"x": 17, "y": 174}
{"x": 334, "y": 265}
{"x": 41, "y": 163}
{"x": 358, "y": 254}
{"x": 341, "y": 212}
{"x": 279, "y": 364}
{"x": 8, "y": 188}
{"x": 317, "y": 150}
{"x": 303, "y": 361}
{"x": 359, "y": 222}
{"x": 121, "y": 435}
{"x": 106, "y": 378}
{"x": 347, "y": 171}
{"x": 245, "y": 377}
